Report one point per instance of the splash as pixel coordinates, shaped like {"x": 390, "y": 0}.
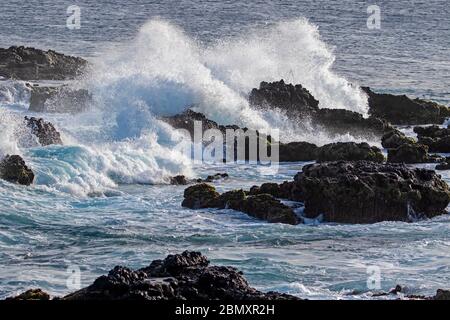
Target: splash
{"x": 161, "y": 72}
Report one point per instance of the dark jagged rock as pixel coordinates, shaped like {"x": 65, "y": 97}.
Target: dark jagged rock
{"x": 298, "y": 103}
{"x": 403, "y": 110}
{"x": 394, "y": 139}
{"x": 297, "y": 151}
{"x": 185, "y": 276}
{"x": 14, "y": 169}
{"x": 286, "y": 190}
{"x": 215, "y": 177}
{"x": 32, "y": 294}
{"x": 62, "y": 99}
{"x": 200, "y": 196}
{"x": 179, "y": 180}
{"x": 436, "y": 144}
{"x": 442, "y": 295}
{"x": 261, "y": 206}
{"x": 266, "y": 207}
{"x": 349, "y": 151}
{"x": 33, "y": 64}
{"x": 284, "y": 96}
{"x": 182, "y": 180}
{"x": 186, "y": 121}
{"x": 369, "y": 192}
{"x": 44, "y": 131}
{"x": 444, "y": 165}
{"x": 341, "y": 121}
{"x": 432, "y": 131}
{"x": 409, "y": 153}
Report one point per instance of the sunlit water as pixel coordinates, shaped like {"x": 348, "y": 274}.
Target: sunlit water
{"x": 101, "y": 200}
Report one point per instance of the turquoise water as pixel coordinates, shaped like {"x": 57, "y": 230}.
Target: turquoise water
{"x": 102, "y": 199}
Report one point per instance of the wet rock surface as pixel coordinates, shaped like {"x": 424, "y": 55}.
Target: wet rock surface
{"x": 61, "y": 99}
{"x": 258, "y": 205}
{"x": 399, "y": 109}
{"x": 186, "y": 276}
{"x": 368, "y": 192}
{"x": 32, "y": 294}
{"x": 349, "y": 151}
{"x": 14, "y": 169}
{"x": 394, "y": 139}
{"x": 23, "y": 63}
{"x": 410, "y": 153}
{"x": 294, "y": 99}
{"x": 44, "y": 131}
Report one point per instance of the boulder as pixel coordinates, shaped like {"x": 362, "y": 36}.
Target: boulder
{"x": 298, "y": 103}
{"x": 369, "y": 192}
{"x": 432, "y": 131}
{"x": 186, "y": 121}
{"x": 349, "y": 151}
{"x": 61, "y": 99}
{"x": 293, "y": 99}
{"x": 444, "y": 165}
{"x": 33, "y": 64}
{"x": 399, "y": 109}
{"x": 32, "y": 294}
{"x": 436, "y": 144}
{"x": 261, "y": 206}
{"x": 44, "y": 131}
{"x": 179, "y": 180}
{"x": 200, "y": 196}
{"x": 409, "y": 153}
{"x": 14, "y": 169}
{"x": 341, "y": 121}
{"x": 297, "y": 151}
{"x": 394, "y": 139}
{"x": 186, "y": 276}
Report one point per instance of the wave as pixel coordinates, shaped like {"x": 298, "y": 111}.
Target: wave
{"x": 161, "y": 72}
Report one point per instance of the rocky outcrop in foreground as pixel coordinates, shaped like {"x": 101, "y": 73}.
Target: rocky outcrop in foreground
{"x": 186, "y": 276}
{"x": 367, "y": 192}
{"x": 61, "y": 99}
{"x": 261, "y": 206}
{"x": 344, "y": 192}
{"x": 33, "y": 64}
{"x": 14, "y": 169}
{"x": 403, "y": 110}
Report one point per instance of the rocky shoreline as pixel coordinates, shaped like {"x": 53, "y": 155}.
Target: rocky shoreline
{"x": 185, "y": 276}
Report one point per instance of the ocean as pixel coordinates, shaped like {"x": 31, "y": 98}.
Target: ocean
{"x": 103, "y": 198}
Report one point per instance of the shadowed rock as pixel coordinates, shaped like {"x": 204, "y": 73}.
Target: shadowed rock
{"x": 185, "y": 276}
{"x": 349, "y": 151}
{"x": 394, "y": 139}
{"x": 298, "y": 151}
{"x": 410, "y": 153}
{"x": 261, "y": 206}
{"x": 399, "y": 109}
{"x": 368, "y": 192}
{"x": 14, "y": 169}
{"x": 32, "y": 294}
{"x": 295, "y": 99}
{"x": 299, "y": 104}
{"x": 60, "y": 99}
{"x": 44, "y": 131}
{"x": 33, "y": 64}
